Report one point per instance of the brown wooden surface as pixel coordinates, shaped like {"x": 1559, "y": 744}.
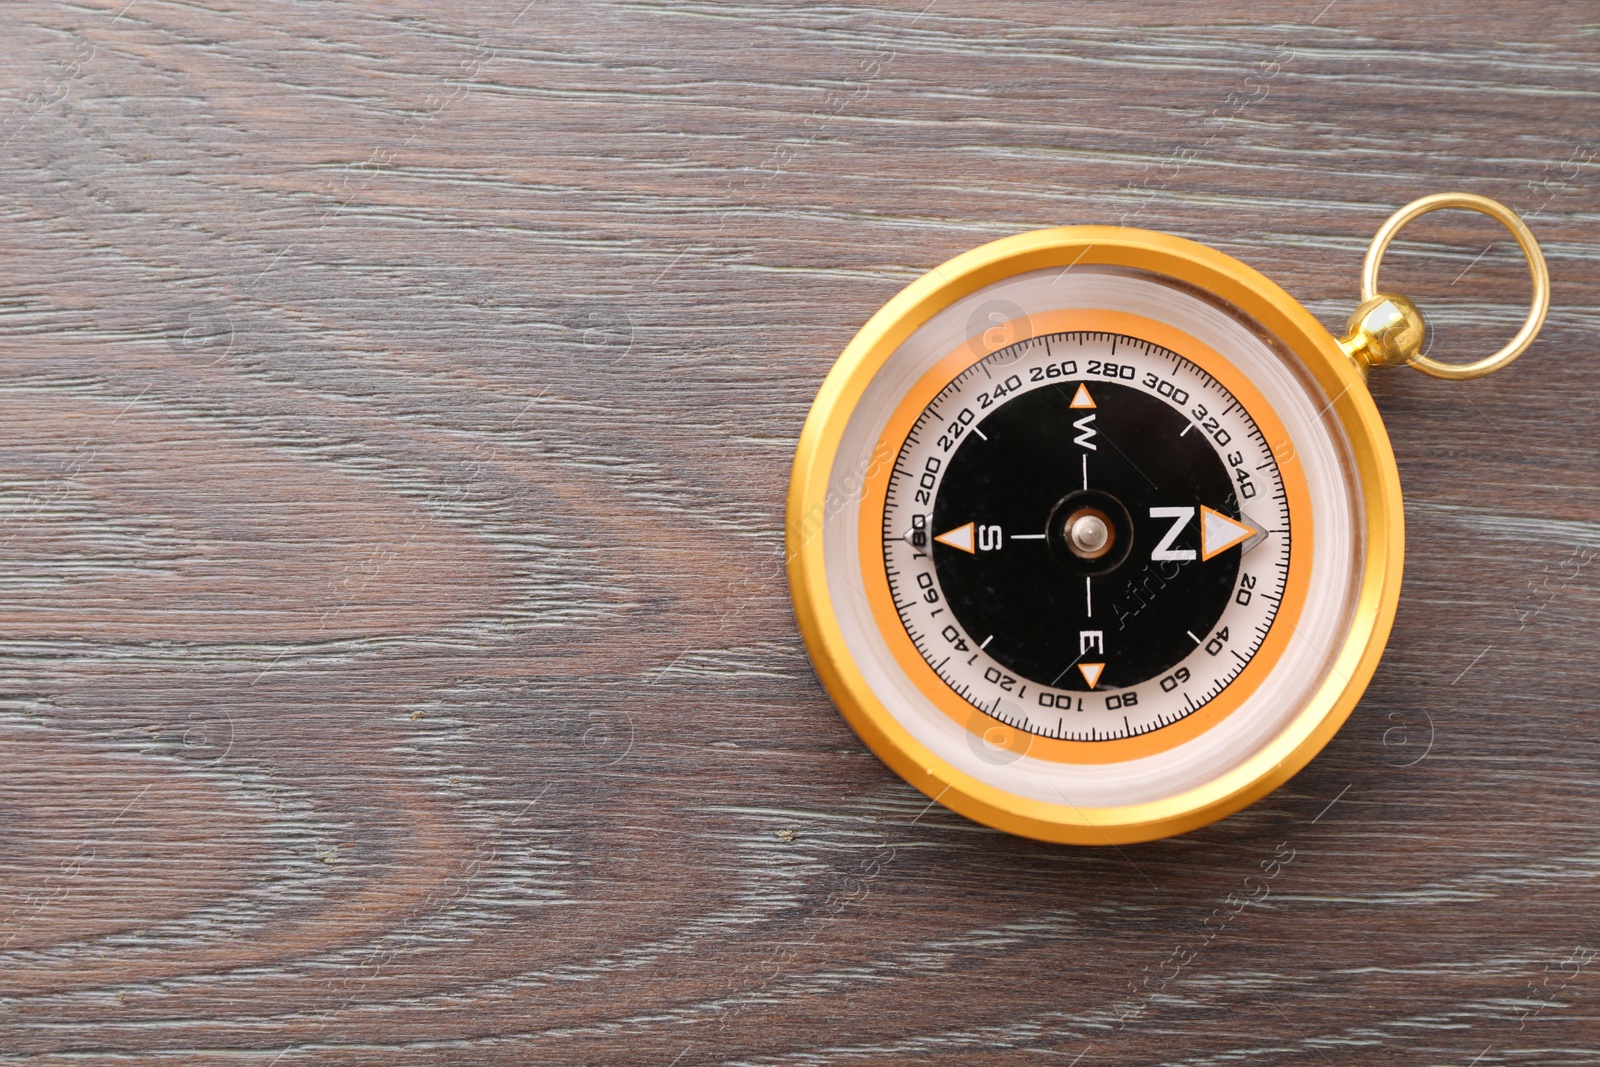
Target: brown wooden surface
{"x": 396, "y": 404}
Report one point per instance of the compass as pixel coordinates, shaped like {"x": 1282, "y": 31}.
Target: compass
{"x": 1095, "y": 533}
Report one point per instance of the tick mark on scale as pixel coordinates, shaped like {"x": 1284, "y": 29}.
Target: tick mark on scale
{"x": 1192, "y": 637}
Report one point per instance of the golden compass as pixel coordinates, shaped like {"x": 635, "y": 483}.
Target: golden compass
{"x": 1095, "y": 533}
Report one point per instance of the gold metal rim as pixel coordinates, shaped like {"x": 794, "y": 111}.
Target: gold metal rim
{"x": 1530, "y": 249}
{"x": 1351, "y": 665}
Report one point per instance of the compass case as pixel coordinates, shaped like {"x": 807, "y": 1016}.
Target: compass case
{"x": 978, "y": 748}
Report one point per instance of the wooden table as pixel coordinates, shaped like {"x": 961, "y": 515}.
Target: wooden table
{"x": 398, "y": 402}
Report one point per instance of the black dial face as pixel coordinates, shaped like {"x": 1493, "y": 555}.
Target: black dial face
{"x": 1086, "y": 536}
{"x": 1133, "y": 470}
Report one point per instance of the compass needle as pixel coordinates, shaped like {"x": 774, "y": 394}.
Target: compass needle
{"x": 1218, "y": 533}
{"x": 962, "y": 537}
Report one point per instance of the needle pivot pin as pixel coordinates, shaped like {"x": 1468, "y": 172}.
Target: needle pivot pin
{"x": 1089, "y": 533}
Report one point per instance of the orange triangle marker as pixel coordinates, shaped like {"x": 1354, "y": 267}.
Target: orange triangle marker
{"x": 1082, "y": 399}
{"x": 1218, "y": 533}
{"x": 961, "y": 537}
{"x": 1091, "y": 672}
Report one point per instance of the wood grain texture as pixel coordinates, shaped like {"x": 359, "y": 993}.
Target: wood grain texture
{"x": 397, "y": 404}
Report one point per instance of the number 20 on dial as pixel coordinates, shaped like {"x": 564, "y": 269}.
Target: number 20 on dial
{"x": 1095, "y": 533}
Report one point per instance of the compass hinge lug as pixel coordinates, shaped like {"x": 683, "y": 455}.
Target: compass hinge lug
{"x": 1385, "y": 331}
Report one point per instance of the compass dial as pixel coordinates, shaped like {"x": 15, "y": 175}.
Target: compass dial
{"x": 1086, "y": 536}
